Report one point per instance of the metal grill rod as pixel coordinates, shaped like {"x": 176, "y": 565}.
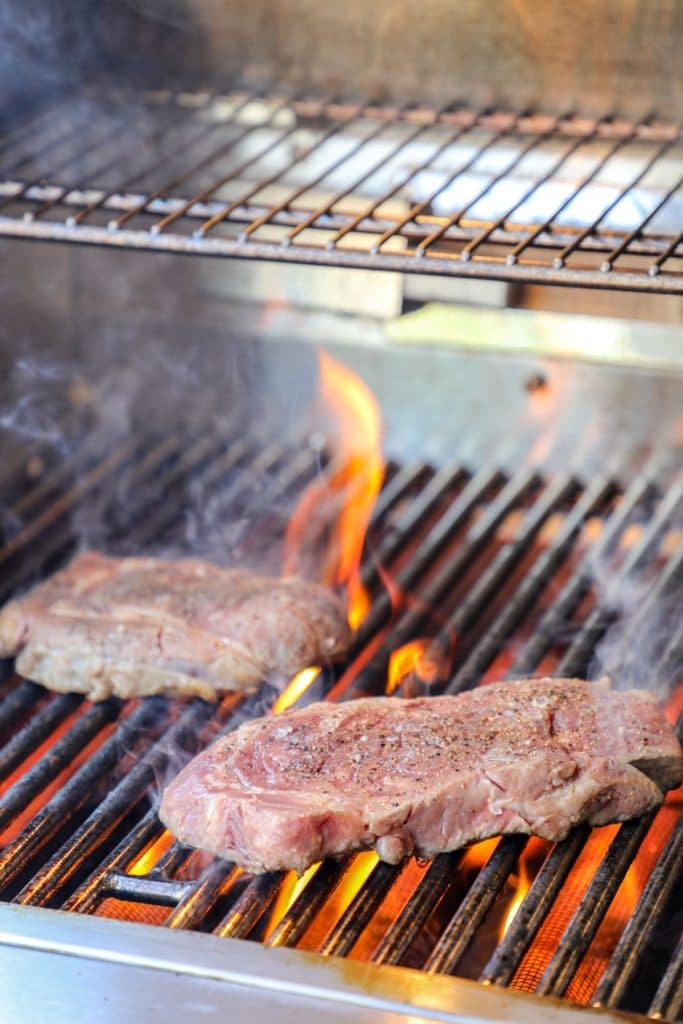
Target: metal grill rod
{"x": 17, "y": 854}
{"x": 150, "y": 167}
{"x": 259, "y": 222}
{"x": 432, "y": 887}
{"x": 443, "y": 531}
{"x": 575, "y": 659}
{"x": 637, "y": 935}
{"x": 545, "y": 226}
{"x": 53, "y": 875}
{"x": 467, "y": 251}
{"x": 535, "y": 908}
{"x": 593, "y": 907}
{"x": 425, "y": 204}
{"x": 465, "y": 922}
{"x": 220, "y": 151}
{"x": 622, "y": 850}
{"x": 668, "y": 999}
{"x": 563, "y": 607}
{"x": 369, "y": 211}
{"x": 573, "y": 246}
{"x": 60, "y": 755}
{"x": 540, "y": 573}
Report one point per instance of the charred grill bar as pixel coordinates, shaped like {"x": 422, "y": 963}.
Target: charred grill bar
{"x": 511, "y": 545}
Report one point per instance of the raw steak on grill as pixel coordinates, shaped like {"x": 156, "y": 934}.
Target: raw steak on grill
{"x": 137, "y": 626}
{"x": 425, "y": 776}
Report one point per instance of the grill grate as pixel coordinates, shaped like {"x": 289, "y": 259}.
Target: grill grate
{"x": 504, "y": 554}
{"x": 499, "y": 194}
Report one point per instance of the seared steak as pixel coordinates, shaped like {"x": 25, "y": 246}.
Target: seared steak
{"x": 427, "y": 775}
{"x": 136, "y": 626}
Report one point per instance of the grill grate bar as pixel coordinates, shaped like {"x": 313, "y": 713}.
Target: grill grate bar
{"x": 540, "y": 573}
{"x": 140, "y": 175}
{"x": 534, "y": 909}
{"x": 202, "y": 896}
{"x": 563, "y": 607}
{"x": 79, "y": 119}
{"x": 310, "y": 183}
{"x": 86, "y": 897}
{"x": 219, "y": 152}
{"x": 350, "y": 926}
{"x": 454, "y": 219}
{"x": 576, "y": 243}
{"x": 59, "y": 869}
{"x": 58, "y": 757}
{"x": 255, "y": 901}
{"x": 620, "y": 249}
{"x": 431, "y": 888}
{"x": 16, "y": 703}
{"x": 430, "y": 549}
{"x": 546, "y": 226}
{"x": 668, "y": 999}
{"x": 25, "y": 742}
{"x": 395, "y": 489}
{"x": 560, "y": 488}
{"x": 640, "y": 929}
{"x": 225, "y": 211}
{"x": 328, "y": 206}
{"x": 470, "y": 248}
{"x": 419, "y": 208}
{"x": 298, "y": 917}
{"x": 464, "y": 923}
{"x": 46, "y": 823}
{"x": 236, "y": 173}
{"x": 593, "y": 907}
{"x": 581, "y": 650}
{"x": 369, "y": 211}
{"x": 441, "y": 484}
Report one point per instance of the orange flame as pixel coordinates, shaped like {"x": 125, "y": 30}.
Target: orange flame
{"x": 342, "y": 499}
{"x": 145, "y": 861}
{"x": 292, "y": 886}
{"x": 414, "y": 657}
{"x": 534, "y": 851}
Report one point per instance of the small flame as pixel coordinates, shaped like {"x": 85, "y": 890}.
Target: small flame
{"x": 299, "y": 684}
{"x": 292, "y": 887}
{"x": 415, "y": 657}
{"x": 522, "y": 887}
{"x": 144, "y": 863}
{"x": 342, "y": 499}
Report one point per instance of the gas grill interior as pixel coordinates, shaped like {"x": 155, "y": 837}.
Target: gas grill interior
{"x": 507, "y": 547}
{"x": 530, "y": 519}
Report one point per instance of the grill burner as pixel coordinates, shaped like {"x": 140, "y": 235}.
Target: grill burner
{"x": 502, "y": 194}
{"x": 505, "y": 553}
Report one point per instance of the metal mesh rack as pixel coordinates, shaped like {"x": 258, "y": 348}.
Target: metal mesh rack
{"x": 517, "y": 196}
{"x": 504, "y": 552}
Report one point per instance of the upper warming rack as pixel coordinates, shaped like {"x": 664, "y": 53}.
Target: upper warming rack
{"x": 511, "y": 195}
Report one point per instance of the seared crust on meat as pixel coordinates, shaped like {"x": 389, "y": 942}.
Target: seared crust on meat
{"x": 425, "y": 776}
{"x": 138, "y": 626}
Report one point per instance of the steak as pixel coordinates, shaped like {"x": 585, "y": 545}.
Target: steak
{"x": 137, "y": 626}
{"x": 427, "y": 775}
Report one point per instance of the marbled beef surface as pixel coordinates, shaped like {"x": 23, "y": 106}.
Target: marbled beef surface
{"x": 137, "y": 626}
{"x": 536, "y": 756}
